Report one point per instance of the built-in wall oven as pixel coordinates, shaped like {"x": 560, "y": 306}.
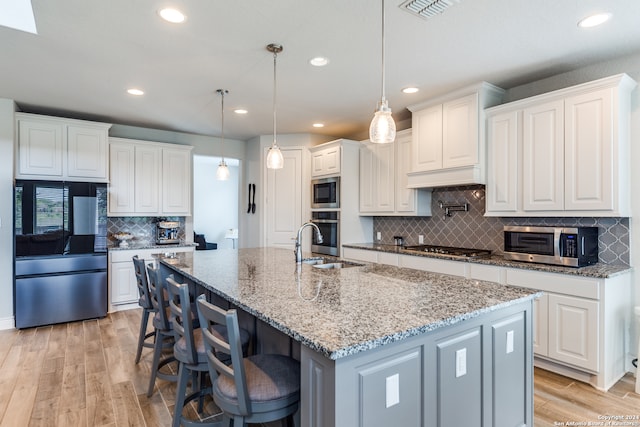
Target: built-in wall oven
{"x": 325, "y": 193}
{"x": 329, "y": 224}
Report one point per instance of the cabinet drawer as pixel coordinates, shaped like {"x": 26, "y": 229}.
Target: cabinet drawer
{"x": 489, "y": 273}
{"x": 388, "y": 259}
{"x": 557, "y": 283}
{"x": 435, "y": 265}
{"x": 360, "y": 255}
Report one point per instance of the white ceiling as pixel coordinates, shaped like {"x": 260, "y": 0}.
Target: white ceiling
{"x": 87, "y": 53}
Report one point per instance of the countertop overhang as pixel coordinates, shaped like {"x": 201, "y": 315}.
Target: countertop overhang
{"x": 344, "y": 311}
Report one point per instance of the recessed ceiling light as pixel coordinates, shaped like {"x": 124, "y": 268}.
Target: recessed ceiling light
{"x": 318, "y": 125}
{"x": 319, "y": 61}
{"x": 134, "y": 91}
{"x": 410, "y": 90}
{"x": 240, "y": 111}
{"x": 594, "y": 20}
{"x": 172, "y": 15}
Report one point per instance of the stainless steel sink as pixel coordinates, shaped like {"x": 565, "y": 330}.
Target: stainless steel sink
{"x": 329, "y": 263}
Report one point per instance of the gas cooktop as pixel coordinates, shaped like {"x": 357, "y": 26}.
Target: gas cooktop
{"x": 449, "y": 251}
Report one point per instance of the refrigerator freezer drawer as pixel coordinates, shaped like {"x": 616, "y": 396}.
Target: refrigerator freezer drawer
{"x": 55, "y": 299}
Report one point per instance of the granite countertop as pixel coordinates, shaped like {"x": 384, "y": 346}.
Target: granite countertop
{"x": 343, "y": 311}
{"x": 148, "y": 245}
{"x": 599, "y": 270}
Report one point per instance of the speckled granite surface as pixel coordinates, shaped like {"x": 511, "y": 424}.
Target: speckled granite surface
{"x": 598, "y": 270}
{"x": 343, "y": 311}
{"x": 151, "y": 246}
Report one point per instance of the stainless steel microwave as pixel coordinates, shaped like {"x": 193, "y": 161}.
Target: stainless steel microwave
{"x": 567, "y": 246}
{"x": 325, "y": 193}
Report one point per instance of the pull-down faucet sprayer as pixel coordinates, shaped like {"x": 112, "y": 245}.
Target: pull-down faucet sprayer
{"x": 298, "y": 250}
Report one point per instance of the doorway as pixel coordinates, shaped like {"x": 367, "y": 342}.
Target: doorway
{"x": 215, "y": 203}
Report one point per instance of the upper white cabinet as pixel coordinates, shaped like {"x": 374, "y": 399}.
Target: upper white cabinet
{"x": 61, "y": 149}
{"x": 448, "y": 137}
{"x": 325, "y": 161}
{"x": 565, "y": 153}
{"x": 384, "y": 182}
{"x": 149, "y": 178}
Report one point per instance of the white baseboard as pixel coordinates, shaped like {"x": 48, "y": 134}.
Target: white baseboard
{"x": 7, "y": 323}
{"x": 122, "y": 307}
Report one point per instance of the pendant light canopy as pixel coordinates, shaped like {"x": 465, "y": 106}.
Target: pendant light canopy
{"x": 274, "y": 156}
{"x": 382, "y": 129}
{"x": 222, "y": 174}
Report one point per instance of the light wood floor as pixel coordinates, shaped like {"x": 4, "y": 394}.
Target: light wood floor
{"x": 83, "y": 374}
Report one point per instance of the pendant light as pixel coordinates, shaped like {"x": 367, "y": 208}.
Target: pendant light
{"x": 222, "y": 174}
{"x": 274, "y": 156}
{"x": 382, "y": 129}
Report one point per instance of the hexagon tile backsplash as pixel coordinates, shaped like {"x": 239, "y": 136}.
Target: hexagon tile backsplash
{"x": 473, "y": 230}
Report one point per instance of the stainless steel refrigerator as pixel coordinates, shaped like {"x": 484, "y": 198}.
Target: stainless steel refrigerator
{"x": 60, "y": 252}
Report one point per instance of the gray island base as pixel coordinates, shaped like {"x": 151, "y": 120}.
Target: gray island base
{"x": 380, "y": 345}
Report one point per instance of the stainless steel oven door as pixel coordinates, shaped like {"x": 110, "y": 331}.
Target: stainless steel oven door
{"x": 329, "y": 225}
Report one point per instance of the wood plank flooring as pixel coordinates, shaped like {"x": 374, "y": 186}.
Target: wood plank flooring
{"x": 83, "y": 374}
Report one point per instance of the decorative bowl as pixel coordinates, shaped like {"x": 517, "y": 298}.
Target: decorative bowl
{"x": 123, "y": 237}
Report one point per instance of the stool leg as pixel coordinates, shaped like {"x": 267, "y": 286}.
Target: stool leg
{"x": 157, "y": 351}
{"x": 143, "y": 333}
{"x": 183, "y": 377}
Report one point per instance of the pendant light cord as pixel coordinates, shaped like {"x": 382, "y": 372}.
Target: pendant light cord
{"x": 383, "y": 50}
{"x": 222, "y": 114}
{"x": 275, "y": 54}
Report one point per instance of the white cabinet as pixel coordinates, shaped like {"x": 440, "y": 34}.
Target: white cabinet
{"x": 149, "y": 178}
{"x": 384, "y": 182}
{"x": 325, "y": 161}
{"x": 61, "y": 149}
{"x": 448, "y": 137}
{"x": 123, "y": 289}
{"x": 566, "y": 152}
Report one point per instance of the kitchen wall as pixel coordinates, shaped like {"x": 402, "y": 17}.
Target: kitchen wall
{"x": 473, "y": 230}
{"x": 7, "y": 123}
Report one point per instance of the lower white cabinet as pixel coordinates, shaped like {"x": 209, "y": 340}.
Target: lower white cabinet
{"x": 123, "y": 290}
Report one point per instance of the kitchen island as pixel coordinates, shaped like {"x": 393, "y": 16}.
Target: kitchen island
{"x": 381, "y": 345}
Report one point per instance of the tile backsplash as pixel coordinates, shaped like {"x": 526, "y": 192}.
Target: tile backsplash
{"x": 473, "y": 230}
{"x": 142, "y": 228}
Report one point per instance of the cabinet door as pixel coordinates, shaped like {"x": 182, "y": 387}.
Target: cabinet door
{"x": 87, "y": 152}
{"x": 543, "y": 157}
{"x": 427, "y": 139}
{"x": 122, "y": 178}
{"x": 384, "y": 192}
{"x": 589, "y": 151}
{"x": 40, "y": 148}
{"x": 460, "y": 132}
{"x": 325, "y": 162}
{"x": 405, "y": 197}
{"x": 502, "y": 173}
{"x": 573, "y": 331}
{"x": 147, "y": 179}
{"x": 367, "y": 178}
{"x": 123, "y": 283}
{"x": 541, "y": 325}
{"x": 176, "y": 181}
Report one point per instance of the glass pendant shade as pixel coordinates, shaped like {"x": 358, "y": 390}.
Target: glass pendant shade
{"x": 383, "y": 128}
{"x": 222, "y": 174}
{"x": 274, "y": 157}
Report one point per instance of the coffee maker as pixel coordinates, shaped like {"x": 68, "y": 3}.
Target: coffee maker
{"x": 167, "y": 232}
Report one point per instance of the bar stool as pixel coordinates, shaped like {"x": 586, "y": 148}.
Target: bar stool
{"x": 147, "y": 306}
{"x": 190, "y": 352}
{"x": 254, "y": 389}
{"x": 163, "y": 329}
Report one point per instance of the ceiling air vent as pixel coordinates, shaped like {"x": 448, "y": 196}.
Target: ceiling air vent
{"x": 427, "y": 8}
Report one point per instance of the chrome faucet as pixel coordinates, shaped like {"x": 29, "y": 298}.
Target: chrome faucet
{"x": 298, "y": 250}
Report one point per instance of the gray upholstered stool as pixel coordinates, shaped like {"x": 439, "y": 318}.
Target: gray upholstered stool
{"x": 254, "y": 389}
{"x": 147, "y": 306}
{"x": 190, "y": 352}
{"x": 163, "y": 329}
